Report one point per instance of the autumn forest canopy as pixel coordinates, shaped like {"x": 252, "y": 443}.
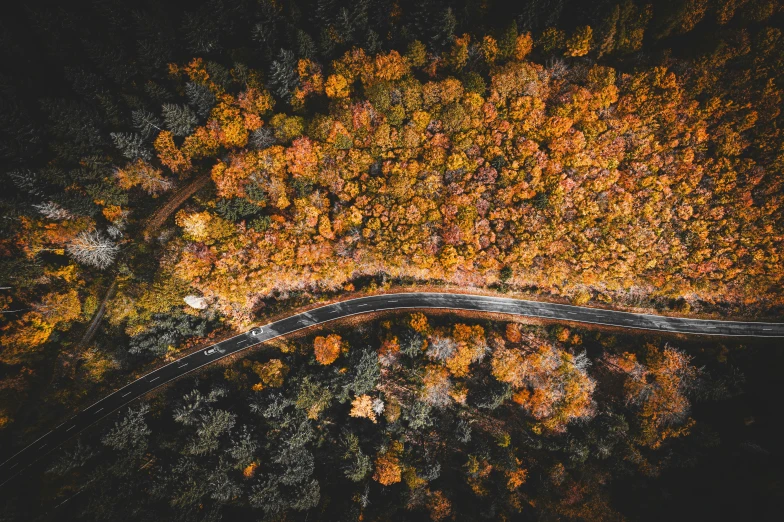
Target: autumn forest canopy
{"x": 174, "y": 172}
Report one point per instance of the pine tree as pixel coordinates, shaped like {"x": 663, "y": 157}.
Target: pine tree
{"x": 180, "y": 119}
{"x": 200, "y": 97}
{"x": 71, "y": 459}
{"x": 283, "y": 74}
{"x": 201, "y": 31}
{"x": 211, "y": 426}
{"x": 242, "y": 448}
{"x": 265, "y": 31}
{"x": 267, "y": 496}
{"x": 131, "y": 433}
{"x": 367, "y": 373}
{"x": 27, "y": 181}
{"x": 538, "y": 14}
{"x": 93, "y": 249}
{"x": 306, "y": 47}
{"x": 146, "y": 123}
{"x": 131, "y": 145}
{"x": 444, "y": 29}
{"x": 306, "y": 496}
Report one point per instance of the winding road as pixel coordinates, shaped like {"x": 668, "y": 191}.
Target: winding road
{"x": 25, "y": 457}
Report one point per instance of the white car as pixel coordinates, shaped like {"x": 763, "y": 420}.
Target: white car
{"x": 214, "y": 349}
{"x": 256, "y": 331}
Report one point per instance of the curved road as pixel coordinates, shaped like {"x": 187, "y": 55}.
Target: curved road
{"x": 28, "y": 455}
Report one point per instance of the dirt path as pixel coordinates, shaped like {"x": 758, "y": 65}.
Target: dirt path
{"x": 88, "y": 335}
{"x": 160, "y": 216}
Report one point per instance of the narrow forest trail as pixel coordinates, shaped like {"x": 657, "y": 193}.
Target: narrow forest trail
{"x": 160, "y": 216}
{"x": 88, "y": 335}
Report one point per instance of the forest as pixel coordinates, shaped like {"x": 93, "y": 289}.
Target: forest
{"x": 174, "y": 172}
{"x": 413, "y": 417}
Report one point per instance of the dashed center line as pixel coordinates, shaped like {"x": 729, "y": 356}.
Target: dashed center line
{"x": 362, "y": 305}
{"x": 395, "y": 301}
{"x": 69, "y": 429}
{"x": 42, "y": 447}
{"x": 99, "y": 411}
{"x": 183, "y": 366}
{"x": 242, "y": 342}
{"x": 155, "y": 379}
{"x": 126, "y": 394}
{"x": 15, "y": 465}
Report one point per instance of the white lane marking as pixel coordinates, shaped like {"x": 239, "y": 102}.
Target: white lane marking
{"x": 183, "y": 366}
{"x": 15, "y": 465}
{"x": 395, "y": 301}
{"x": 335, "y": 312}
{"x": 69, "y": 429}
{"x": 572, "y": 313}
{"x": 766, "y": 329}
{"x": 155, "y": 379}
{"x": 126, "y": 394}
{"x": 242, "y": 342}
{"x": 362, "y": 305}
{"x": 42, "y": 447}
{"x": 99, "y": 411}
{"x": 710, "y": 327}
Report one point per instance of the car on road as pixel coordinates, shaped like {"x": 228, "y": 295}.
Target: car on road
{"x": 213, "y": 350}
{"x": 256, "y": 331}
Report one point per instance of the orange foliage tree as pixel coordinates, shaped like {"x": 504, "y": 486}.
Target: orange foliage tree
{"x": 327, "y": 349}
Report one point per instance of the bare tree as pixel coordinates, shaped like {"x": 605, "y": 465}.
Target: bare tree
{"x": 53, "y": 211}
{"x": 92, "y": 248}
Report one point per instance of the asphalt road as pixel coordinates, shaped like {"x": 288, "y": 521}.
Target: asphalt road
{"x": 23, "y": 458}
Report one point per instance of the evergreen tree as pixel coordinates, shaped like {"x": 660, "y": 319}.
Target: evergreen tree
{"x": 267, "y": 496}
{"x": 168, "y": 330}
{"x": 180, "y": 119}
{"x": 366, "y": 374}
{"x": 243, "y": 448}
{"x": 131, "y": 434}
{"x": 131, "y": 145}
{"x": 146, "y": 123}
{"x": 443, "y": 31}
{"x": 72, "y": 458}
{"x": 283, "y": 74}
{"x": 306, "y": 496}
{"x": 306, "y": 47}
{"x": 200, "y": 97}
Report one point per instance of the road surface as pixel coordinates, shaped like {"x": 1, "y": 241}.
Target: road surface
{"x": 46, "y": 443}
